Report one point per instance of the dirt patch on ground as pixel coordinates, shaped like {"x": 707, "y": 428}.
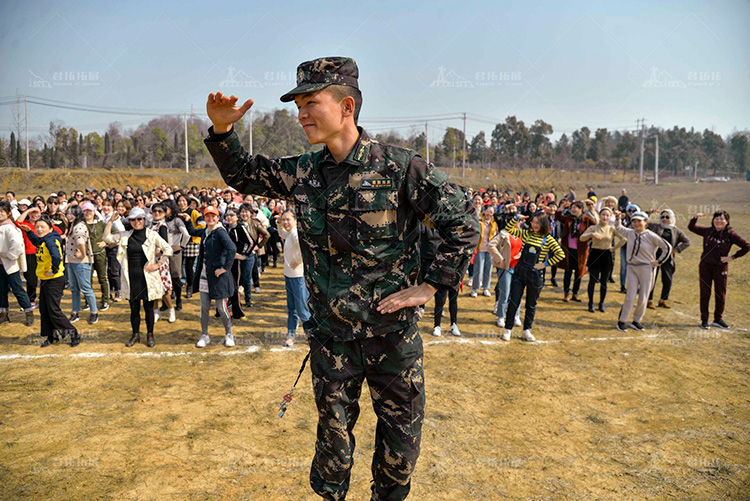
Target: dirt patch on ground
{"x": 586, "y": 413}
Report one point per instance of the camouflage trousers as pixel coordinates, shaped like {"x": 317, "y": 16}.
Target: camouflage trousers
{"x": 392, "y": 366}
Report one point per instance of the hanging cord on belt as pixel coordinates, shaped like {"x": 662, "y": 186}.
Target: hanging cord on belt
{"x": 287, "y": 399}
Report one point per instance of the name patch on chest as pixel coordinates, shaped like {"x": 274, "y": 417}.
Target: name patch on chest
{"x": 376, "y": 184}
{"x": 315, "y": 183}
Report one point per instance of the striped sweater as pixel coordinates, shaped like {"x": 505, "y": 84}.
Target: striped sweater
{"x": 545, "y": 247}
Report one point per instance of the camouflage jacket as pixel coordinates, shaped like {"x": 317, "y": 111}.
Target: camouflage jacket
{"x": 359, "y": 226}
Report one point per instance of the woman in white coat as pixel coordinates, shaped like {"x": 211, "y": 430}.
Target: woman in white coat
{"x": 141, "y": 282}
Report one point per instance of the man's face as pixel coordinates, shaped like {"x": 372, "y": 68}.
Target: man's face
{"x": 9, "y": 197}
{"x": 320, "y": 115}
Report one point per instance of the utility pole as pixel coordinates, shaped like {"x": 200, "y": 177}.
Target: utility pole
{"x": 643, "y": 147}
{"x": 26, "y": 106}
{"x": 695, "y": 171}
{"x": 426, "y": 143}
{"x": 656, "y": 164}
{"x": 187, "y": 166}
{"x": 463, "y": 166}
{"x": 250, "y": 132}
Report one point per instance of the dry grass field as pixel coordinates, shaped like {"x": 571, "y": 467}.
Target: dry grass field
{"x": 585, "y": 413}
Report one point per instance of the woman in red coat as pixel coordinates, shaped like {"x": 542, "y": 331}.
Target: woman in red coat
{"x": 573, "y": 224}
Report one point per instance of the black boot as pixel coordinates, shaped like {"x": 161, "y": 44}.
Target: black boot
{"x": 602, "y": 308}
{"x": 150, "y": 340}
{"x": 4, "y": 318}
{"x": 29, "y": 318}
{"x": 75, "y": 339}
{"x": 51, "y": 339}
{"x": 591, "y": 307}
{"x": 135, "y": 338}
{"x": 178, "y": 306}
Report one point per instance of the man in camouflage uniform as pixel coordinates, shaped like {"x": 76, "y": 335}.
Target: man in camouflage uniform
{"x": 358, "y": 204}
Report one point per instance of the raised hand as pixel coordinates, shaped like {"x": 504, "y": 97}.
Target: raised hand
{"x": 223, "y": 111}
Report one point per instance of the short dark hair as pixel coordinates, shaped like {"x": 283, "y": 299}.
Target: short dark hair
{"x": 578, "y": 204}
{"x": 5, "y": 206}
{"x": 721, "y": 213}
{"x": 12, "y": 193}
{"x": 340, "y": 92}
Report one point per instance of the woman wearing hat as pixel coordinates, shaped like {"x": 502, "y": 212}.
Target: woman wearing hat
{"x": 141, "y": 282}
{"x": 667, "y": 230}
{"x": 630, "y": 209}
{"x": 642, "y": 262}
{"x": 213, "y": 281}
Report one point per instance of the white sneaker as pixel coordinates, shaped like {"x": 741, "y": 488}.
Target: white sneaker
{"x": 172, "y": 316}
{"x": 487, "y": 292}
{"x": 454, "y": 330}
{"x": 473, "y": 293}
{"x": 228, "y": 340}
{"x": 289, "y": 341}
{"x": 203, "y": 341}
{"x": 517, "y": 322}
{"x": 437, "y": 331}
{"x": 157, "y": 316}
{"x": 506, "y": 335}
{"x": 501, "y": 322}
{"x": 257, "y": 290}
{"x": 527, "y": 336}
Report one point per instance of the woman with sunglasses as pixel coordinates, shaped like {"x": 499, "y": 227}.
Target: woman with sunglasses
{"x": 141, "y": 283}
{"x": 212, "y": 280}
{"x": 718, "y": 240}
{"x": 667, "y": 230}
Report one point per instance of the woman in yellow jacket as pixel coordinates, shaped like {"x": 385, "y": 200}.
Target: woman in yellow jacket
{"x": 49, "y": 270}
{"x": 482, "y": 258}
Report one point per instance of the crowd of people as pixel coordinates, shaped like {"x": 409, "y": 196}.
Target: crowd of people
{"x": 155, "y": 249}
{"x": 145, "y": 248}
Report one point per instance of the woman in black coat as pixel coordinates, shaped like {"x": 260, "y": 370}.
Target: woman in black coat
{"x": 213, "y": 280}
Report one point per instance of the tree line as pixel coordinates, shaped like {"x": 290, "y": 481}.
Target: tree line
{"x": 160, "y": 143}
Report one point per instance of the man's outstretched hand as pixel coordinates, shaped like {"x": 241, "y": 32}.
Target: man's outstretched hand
{"x": 223, "y": 111}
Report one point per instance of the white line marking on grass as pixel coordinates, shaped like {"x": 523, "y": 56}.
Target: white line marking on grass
{"x": 149, "y": 354}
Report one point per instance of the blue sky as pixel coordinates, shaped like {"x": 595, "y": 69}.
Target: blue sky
{"x": 599, "y": 64}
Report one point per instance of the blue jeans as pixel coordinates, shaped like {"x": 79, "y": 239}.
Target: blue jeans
{"x": 80, "y": 283}
{"x": 246, "y": 275}
{"x": 13, "y": 283}
{"x": 296, "y": 303}
{"x": 482, "y": 271}
{"x": 623, "y": 265}
{"x": 504, "y": 278}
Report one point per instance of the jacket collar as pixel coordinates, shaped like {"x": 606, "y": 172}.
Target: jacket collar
{"x": 359, "y": 153}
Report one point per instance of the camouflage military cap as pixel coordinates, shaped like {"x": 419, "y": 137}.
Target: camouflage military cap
{"x": 320, "y": 73}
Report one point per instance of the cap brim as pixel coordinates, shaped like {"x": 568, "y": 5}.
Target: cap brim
{"x": 303, "y": 89}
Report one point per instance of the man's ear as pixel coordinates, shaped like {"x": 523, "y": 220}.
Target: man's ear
{"x": 348, "y": 106}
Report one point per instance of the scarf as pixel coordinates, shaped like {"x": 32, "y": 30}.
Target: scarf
{"x": 670, "y": 225}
